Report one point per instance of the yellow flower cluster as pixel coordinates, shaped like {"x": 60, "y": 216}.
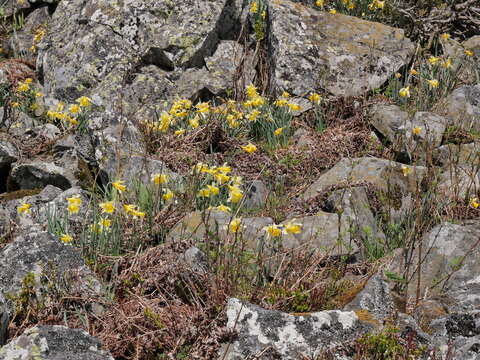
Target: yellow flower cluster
{"x": 70, "y": 115}
{"x": 38, "y": 36}
{"x": 376, "y": 4}
{"x": 275, "y": 230}
{"x": 220, "y": 178}
{"x": 74, "y": 204}
{"x": 24, "y": 208}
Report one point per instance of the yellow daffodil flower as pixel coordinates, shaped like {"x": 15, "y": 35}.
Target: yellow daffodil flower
{"x": 159, "y": 179}
{"x": 107, "y": 207}
{"x": 119, "y": 185}
{"x": 417, "y": 130}
{"x": 474, "y": 203}
{"x": 278, "y": 131}
{"x": 74, "y": 109}
{"x": 404, "y": 92}
{"x": 406, "y": 170}
{"x": 433, "y": 83}
{"x": 314, "y": 98}
{"x": 223, "y": 208}
{"x": 292, "y": 228}
{"x": 213, "y": 189}
{"x": 235, "y": 225}
{"x": 273, "y": 230}
{"x": 205, "y": 193}
{"x": 84, "y": 101}
{"x": 249, "y": 148}
{"x": 24, "y": 208}
{"x": 168, "y": 195}
{"x": 65, "y": 238}
{"x": 294, "y": 107}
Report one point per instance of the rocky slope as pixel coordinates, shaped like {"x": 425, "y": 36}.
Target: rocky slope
{"x": 238, "y": 179}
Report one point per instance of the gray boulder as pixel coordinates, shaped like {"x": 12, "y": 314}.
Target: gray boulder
{"x": 385, "y": 175}
{"x": 31, "y": 256}
{"x": 313, "y": 50}
{"x": 271, "y": 334}
{"x": 54, "y": 342}
{"x": 463, "y": 108}
{"x": 37, "y": 174}
{"x": 132, "y": 58}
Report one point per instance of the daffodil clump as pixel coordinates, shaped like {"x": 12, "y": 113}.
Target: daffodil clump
{"x": 275, "y": 231}
{"x": 24, "y": 97}
{"x": 37, "y": 38}
{"x": 256, "y": 117}
{"x": 258, "y": 16}
{"x": 432, "y": 77}
{"x": 114, "y": 222}
{"x": 71, "y": 115}
{"x": 217, "y": 188}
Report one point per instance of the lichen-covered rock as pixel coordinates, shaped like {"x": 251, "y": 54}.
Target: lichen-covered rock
{"x": 10, "y": 7}
{"x": 356, "y": 216}
{"x": 450, "y": 265}
{"x": 463, "y": 154}
{"x": 388, "y": 120}
{"x": 458, "y": 333}
{"x": 374, "y": 298}
{"x": 322, "y": 232}
{"x": 132, "y": 166}
{"x": 196, "y": 225}
{"x": 54, "y": 342}
{"x": 385, "y": 175}
{"x": 8, "y": 154}
{"x": 287, "y": 337}
{"x": 459, "y": 182}
{"x": 128, "y": 57}
{"x": 432, "y": 128}
{"x": 463, "y": 107}
{"x": 38, "y": 174}
{"x": 255, "y": 195}
{"x": 34, "y": 254}
{"x": 344, "y": 55}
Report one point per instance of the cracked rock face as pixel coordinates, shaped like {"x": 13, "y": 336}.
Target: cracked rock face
{"x": 382, "y": 173}
{"x": 286, "y": 336}
{"x": 463, "y": 107}
{"x": 102, "y": 47}
{"x": 344, "y": 55}
{"x": 53, "y": 343}
{"x": 36, "y": 251}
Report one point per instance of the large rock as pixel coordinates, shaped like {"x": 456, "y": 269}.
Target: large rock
{"x": 460, "y": 332}
{"x": 35, "y": 254}
{"x": 197, "y": 225}
{"x": 385, "y": 175}
{"x": 37, "y": 174}
{"x": 463, "y": 154}
{"x": 389, "y": 121}
{"x": 450, "y": 265}
{"x": 323, "y": 232}
{"x": 356, "y": 217}
{"x": 131, "y": 57}
{"x": 313, "y": 50}
{"x": 287, "y": 337}
{"x": 462, "y": 106}
{"x": 8, "y": 154}
{"x": 53, "y": 342}
{"x": 459, "y": 182}
{"x": 375, "y": 298}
